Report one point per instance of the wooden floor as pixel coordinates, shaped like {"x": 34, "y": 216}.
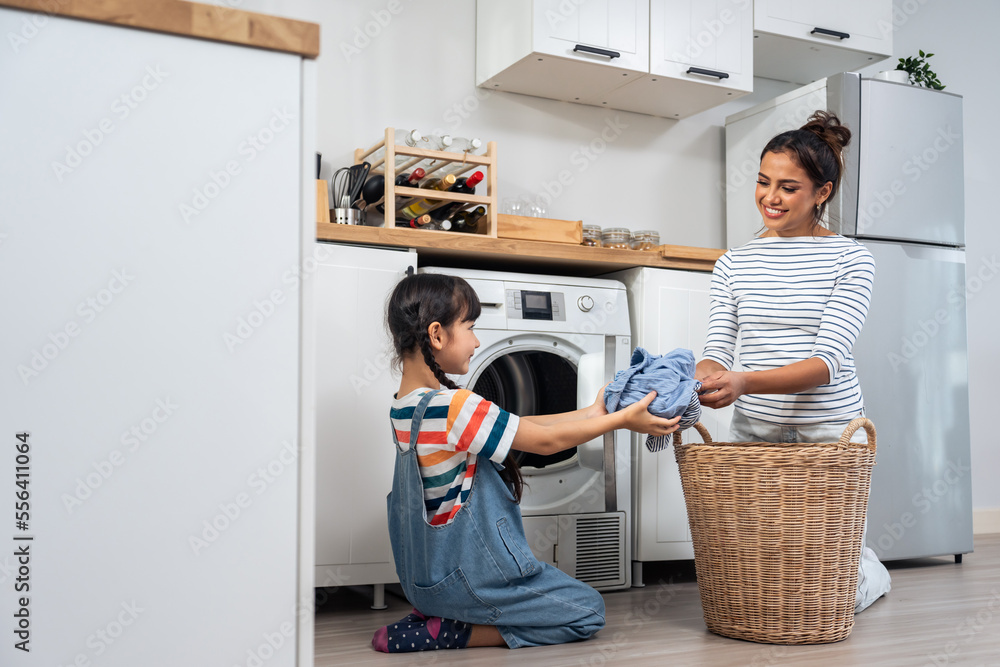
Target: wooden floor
{"x": 938, "y": 613}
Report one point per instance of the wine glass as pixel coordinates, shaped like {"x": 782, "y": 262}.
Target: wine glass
{"x": 512, "y": 206}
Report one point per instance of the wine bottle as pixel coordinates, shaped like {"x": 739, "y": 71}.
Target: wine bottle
{"x": 413, "y": 138}
{"x": 441, "y": 225}
{"x": 422, "y": 206}
{"x": 463, "y": 145}
{"x": 410, "y": 180}
{"x": 415, "y": 223}
{"x": 468, "y": 221}
{"x": 466, "y": 185}
{"x": 440, "y": 143}
{"x": 374, "y": 187}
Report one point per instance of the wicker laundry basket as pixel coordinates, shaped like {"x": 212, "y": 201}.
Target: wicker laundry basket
{"x": 777, "y": 530}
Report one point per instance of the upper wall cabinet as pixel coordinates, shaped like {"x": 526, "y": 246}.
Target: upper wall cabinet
{"x": 804, "y": 40}
{"x": 603, "y": 31}
{"x": 700, "y": 56}
{"x": 669, "y": 58}
{"x": 561, "y": 50}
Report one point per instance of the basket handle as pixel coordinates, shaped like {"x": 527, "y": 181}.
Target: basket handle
{"x": 705, "y": 436}
{"x": 859, "y": 422}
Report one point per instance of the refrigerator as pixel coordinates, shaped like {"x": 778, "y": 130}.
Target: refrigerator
{"x": 902, "y": 197}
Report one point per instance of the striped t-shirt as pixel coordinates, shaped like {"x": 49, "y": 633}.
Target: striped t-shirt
{"x": 790, "y": 299}
{"x": 457, "y": 428}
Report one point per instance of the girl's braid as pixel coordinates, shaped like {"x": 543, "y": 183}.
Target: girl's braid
{"x": 425, "y": 348}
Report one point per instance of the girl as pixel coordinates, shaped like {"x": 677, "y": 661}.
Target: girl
{"x": 454, "y": 522}
{"x": 798, "y": 295}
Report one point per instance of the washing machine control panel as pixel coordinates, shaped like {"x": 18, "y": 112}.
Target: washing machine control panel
{"x": 536, "y": 305}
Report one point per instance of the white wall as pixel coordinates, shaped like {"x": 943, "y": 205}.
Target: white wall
{"x": 418, "y": 70}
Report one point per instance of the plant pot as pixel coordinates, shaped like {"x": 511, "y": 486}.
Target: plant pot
{"x": 896, "y": 75}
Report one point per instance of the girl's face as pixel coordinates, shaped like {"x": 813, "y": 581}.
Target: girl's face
{"x": 460, "y": 344}
{"x": 786, "y": 197}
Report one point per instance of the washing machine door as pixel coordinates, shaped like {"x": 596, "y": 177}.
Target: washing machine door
{"x": 534, "y": 377}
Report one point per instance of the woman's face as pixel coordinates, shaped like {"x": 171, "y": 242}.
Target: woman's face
{"x": 786, "y": 197}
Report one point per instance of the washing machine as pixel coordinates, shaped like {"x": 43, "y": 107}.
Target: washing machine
{"x": 547, "y": 345}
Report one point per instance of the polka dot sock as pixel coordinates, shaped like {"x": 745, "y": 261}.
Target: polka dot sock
{"x": 417, "y": 632}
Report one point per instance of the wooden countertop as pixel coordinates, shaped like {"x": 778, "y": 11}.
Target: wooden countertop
{"x": 191, "y": 19}
{"x": 478, "y": 251}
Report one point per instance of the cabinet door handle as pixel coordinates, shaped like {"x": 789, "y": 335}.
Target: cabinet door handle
{"x": 596, "y": 51}
{"x": 708, "y": 72}
{"x": 830, "y": 33}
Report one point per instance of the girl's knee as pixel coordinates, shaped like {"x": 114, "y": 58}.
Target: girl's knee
{"x": 589, "y": 598}
{"x": 593, "y": 621}
{"x": 588, "y": 627}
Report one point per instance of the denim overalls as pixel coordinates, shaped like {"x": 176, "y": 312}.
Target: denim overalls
{"x": 479, "y": 568}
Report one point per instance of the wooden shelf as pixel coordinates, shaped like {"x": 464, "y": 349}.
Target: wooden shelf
{"x": 485, "y": 252}
{"x": 206, "y": 21}
{"x": 443, "y": 195}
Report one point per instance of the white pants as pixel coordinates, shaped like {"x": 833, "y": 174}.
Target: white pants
{"x": 873, "y": 578}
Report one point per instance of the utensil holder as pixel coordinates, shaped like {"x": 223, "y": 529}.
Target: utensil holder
{"x": 348, "y": 216}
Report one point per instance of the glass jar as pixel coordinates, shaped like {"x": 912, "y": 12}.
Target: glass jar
{"x": 591, "y": 235}
{"x": 616, "y": 237}
{"x": 645, "y": 239}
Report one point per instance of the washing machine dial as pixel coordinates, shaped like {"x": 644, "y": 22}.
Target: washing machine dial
{"x": 585, "y": 303}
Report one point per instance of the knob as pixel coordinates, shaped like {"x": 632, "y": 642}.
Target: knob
{"x": 585, "y": 303}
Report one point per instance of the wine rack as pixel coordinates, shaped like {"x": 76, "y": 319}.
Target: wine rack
{"x": 398, "y": 159}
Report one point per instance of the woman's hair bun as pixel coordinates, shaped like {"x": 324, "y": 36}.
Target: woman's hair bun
{"x": 827, "y": 127}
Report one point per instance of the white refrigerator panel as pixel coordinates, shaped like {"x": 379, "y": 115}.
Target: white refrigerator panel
{"x": 910, "y": 183}
{"x": 912, "y": 361}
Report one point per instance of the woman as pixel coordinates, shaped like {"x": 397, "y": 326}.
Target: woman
{"x": 797, "y": 296}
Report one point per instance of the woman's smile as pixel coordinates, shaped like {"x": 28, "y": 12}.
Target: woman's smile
{"x": 786, "y": 197}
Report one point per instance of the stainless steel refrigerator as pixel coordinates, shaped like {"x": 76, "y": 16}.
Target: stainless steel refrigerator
{"x": 903, "y": 197}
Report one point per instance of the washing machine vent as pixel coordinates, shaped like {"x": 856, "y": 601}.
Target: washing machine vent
{"x": 599, "y": 550}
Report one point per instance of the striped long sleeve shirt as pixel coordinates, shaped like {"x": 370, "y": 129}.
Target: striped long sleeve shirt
{"x": 791, "y": 299}
{"x": 458, "y": 428}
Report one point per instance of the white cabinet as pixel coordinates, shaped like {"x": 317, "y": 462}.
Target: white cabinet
{"x": 712, "y": 36}
{"x": 354, "y": 387}
{"x": 670, "y": 58}
{"x": 602, "y": 31}
{"x": 560, "y": 49}
{"x": 700, "y": 55}
{"x": 154, "y": 217}
{"x": 804, "y": 40}
{"x": 669, "y": 309}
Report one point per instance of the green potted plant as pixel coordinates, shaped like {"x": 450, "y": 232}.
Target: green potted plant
{"x": 919, "y": 71}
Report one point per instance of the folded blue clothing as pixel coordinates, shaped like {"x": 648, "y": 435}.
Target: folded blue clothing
{"x": 671, "y": 376}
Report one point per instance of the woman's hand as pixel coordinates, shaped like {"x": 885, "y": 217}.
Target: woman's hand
{"x": 638, "y": 418}
{"x": 707, "y": 367}
{"x": 722, "y": 388}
